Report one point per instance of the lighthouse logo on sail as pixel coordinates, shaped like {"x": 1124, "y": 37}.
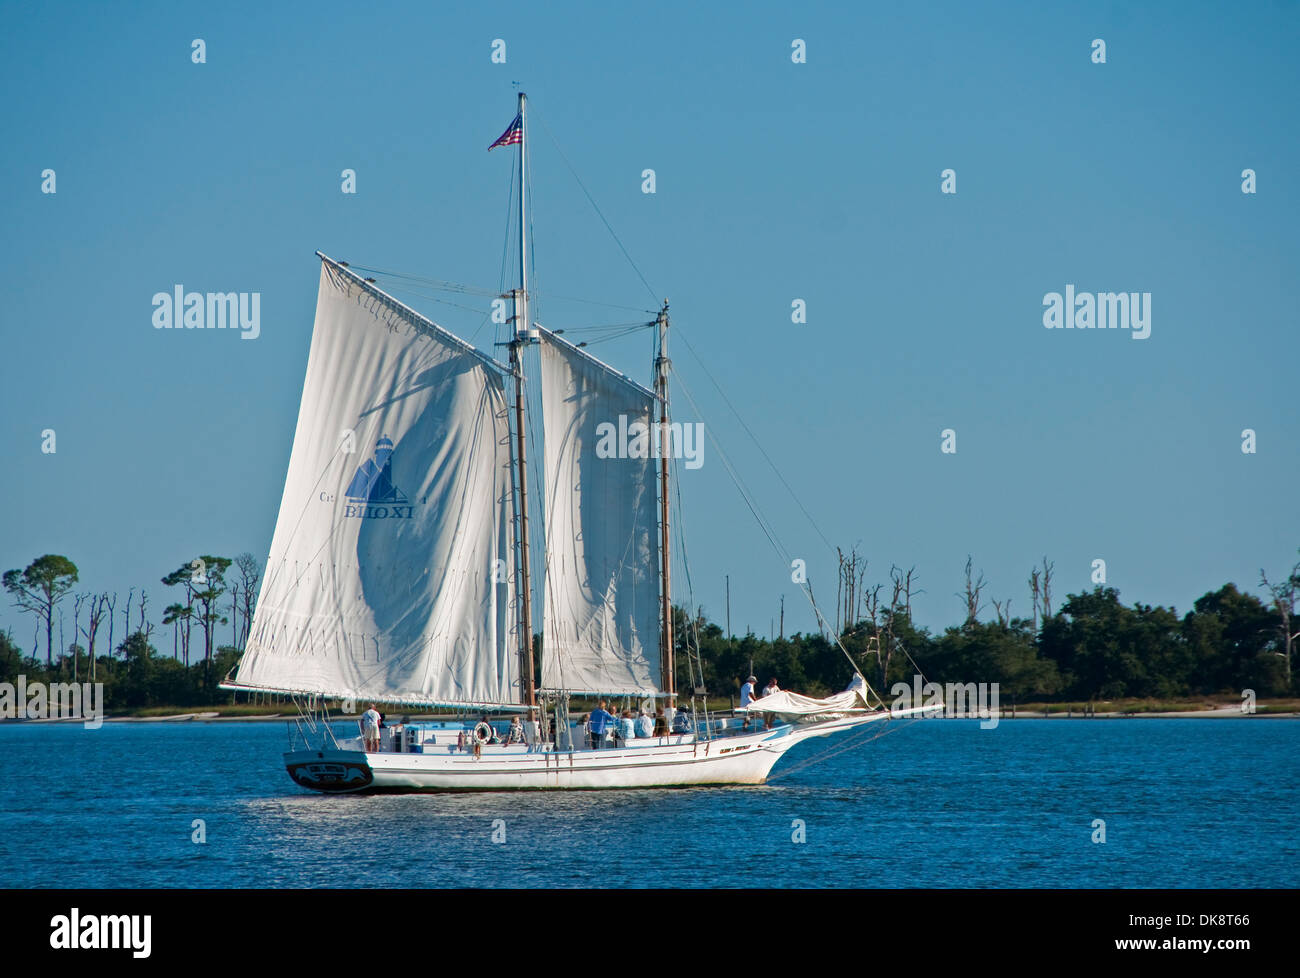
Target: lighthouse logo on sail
{"x": 371, "y": 493}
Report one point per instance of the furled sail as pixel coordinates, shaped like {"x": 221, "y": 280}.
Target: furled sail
{"x": 392, "y": 564}
{"x": 600, "y": 611}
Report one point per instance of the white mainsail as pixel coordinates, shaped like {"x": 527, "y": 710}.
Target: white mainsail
{"x": 601, "y": 610}
{"x": 391, "y": 570}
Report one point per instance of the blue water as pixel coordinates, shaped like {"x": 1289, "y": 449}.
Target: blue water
{"x": 1187, "y": 803}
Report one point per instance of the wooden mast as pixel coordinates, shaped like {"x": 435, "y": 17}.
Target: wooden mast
{"x": 528, "y": 692}
{"x": 665, "y": 452}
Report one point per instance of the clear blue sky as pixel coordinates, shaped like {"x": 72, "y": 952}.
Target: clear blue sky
{"x": 776, "y": 181}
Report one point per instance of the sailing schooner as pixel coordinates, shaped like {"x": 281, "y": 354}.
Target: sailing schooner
{"x": 400, "y": 567}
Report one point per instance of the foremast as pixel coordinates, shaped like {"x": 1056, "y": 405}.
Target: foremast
{"x": 521, "y": 338}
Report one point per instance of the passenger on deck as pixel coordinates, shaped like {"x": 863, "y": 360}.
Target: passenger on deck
{"x": 626, "y": 727}
{"x": 681, "y": 722}
{"x": 645, "y": 725}
{"x": 597, "y": 723}
{"x": 516, "y": 735}
{"x": 747, "y": 697}
{"x": 661, "y": 723}
{"x": 370, "y": 729}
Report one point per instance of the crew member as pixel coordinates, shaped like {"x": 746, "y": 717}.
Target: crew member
{"x": 747, "y": 697}
{"x": 597, "y": 724}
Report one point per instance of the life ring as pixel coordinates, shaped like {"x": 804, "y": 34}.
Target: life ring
{"x": 482, "y": 733}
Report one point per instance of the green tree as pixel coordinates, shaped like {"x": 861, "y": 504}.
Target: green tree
{"x": 138, "y": 656}
{"x": 1231, "y": 637}
{"x": 38, "y": 590}
{"x": 11, "y": 659}
{"x": 1091, "y": 640}
{"x": 204, "y": 582}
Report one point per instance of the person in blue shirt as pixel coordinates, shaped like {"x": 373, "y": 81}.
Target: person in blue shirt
{"x": 597, "y": 724}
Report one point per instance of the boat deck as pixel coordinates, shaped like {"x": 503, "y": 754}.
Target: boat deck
{"x": 456, "y": 736}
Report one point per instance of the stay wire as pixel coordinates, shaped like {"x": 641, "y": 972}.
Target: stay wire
{"x": 591, "y": 200}
{"x": 768, "y": 532}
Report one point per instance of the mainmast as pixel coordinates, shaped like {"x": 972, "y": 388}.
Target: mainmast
{"x": 666, "y": 612}
{"x": 517, "y": 345}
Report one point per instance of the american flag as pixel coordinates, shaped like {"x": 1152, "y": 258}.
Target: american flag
{"x": 514, "y": 134}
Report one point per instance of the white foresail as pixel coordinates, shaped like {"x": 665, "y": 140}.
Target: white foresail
{"x": 391, "y": 568}
{"x": 600, "y": 611}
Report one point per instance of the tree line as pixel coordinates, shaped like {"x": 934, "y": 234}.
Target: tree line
{"x": 1091, "y": 647}
{"x": 211, "y": 593}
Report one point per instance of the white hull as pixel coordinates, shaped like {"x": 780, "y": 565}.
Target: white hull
{"x": 658, "y": 762}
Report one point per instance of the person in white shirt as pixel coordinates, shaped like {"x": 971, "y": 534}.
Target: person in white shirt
{"x": 768, "y": 690}
{"x": 370, "y": 729}
{"x": 747, "y": 697}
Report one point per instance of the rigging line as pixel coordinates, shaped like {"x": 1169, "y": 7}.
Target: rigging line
{"x": 612, "y": 336}
{"x": 505, "y": 238}
{"x": 771, "y": 537}
{"x": 596, "y": 302}
{"x": 505, "y": 246}
{"x": 448, "y": 286}
{"x": 531, "y": 243}
{"x": 653, "y": 294}
{"x": 436, "y": 283}
{"x": 540, "y": 534}
{"x": 636, "y": 325}
{"x": 919, "y": 671}
{"x": 692, "y": 625}
{"x": 850, "y": 744}
{"x": 408, "y": 290}
{"x": 755, "y": 440}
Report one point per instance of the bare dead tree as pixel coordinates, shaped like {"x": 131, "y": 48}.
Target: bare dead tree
{"x": 1003, "y": 611}
{"x": 1284, "y": 595}
{"x": 126, "y": 615}
{"x": 250, "y": 575}
{"x": 858, "y": 586}
{"x": 1035, "y": 592}
{"x": 98, "y": 604}
{"x": 1047, "y": 588}
{"x": 112, "y": 605}
{"x": 839, "y": 590}
{"x": 848, "y": 593}
{"x": 971, "y": 593}
{"x": 871, "y": 606}
{"x": 77, "y": 601}
{"x": 145, "y": 625}
{"x": 233, "y": 591}
{"x": 907, "y": 588}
